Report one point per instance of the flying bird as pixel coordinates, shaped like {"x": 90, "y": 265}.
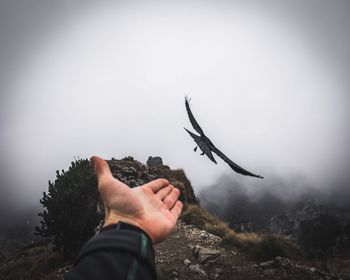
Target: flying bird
{"x": 207, "y": 147}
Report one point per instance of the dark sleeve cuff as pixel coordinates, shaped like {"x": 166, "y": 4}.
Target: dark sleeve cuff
{"x": 122, "y": 237}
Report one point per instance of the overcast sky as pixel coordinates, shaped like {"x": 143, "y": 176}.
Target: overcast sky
{"x": 269, "y": 82}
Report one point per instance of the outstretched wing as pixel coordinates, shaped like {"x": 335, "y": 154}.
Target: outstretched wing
{"x": 192, "y": 119}
{"x": 202, "y": 145}
{"x": 233, "y": 165}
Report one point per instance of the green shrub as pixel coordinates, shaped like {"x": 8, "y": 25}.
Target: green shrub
{"x": 69, "y": 216}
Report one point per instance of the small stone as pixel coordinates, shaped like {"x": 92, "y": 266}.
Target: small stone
{"x": 187, "y": 262}
{"x": 255, "y": 266}
{"x": 132, "y": 183}
{"x": 267, "y": 264}
{"x": 174, "y": 273}
{"x": 312, "y": 269}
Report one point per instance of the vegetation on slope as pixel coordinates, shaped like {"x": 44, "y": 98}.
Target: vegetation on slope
{"x": 261, "y": 246}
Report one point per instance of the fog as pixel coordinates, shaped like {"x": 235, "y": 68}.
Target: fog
{"x": 235, "y": 201}
{"x": 268, "y": 80}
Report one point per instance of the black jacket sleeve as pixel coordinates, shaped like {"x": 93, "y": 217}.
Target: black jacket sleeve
{"x": 119, "y": 251}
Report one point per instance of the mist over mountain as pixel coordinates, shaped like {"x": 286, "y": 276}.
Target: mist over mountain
{"x": 236, "y": 200}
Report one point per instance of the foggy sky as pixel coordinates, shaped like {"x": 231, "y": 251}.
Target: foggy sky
{"x": 268, "y": 80}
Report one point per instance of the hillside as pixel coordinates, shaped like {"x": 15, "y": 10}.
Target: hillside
{"x": 189, "y": 253}
{"x": 201, "y": 246}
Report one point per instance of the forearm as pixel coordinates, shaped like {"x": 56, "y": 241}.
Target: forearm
{"x": 120, "y": 251}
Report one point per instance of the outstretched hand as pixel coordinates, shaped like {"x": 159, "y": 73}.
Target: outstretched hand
{"x": 154, "y": 207}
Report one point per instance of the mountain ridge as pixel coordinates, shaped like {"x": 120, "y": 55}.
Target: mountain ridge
{"x": 201, "y": 246}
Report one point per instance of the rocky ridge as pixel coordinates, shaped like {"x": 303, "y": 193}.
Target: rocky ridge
{"x": 188, "y": 253}
{"x": 319, "y": 228}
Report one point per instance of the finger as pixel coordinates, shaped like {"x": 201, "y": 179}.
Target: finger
{"x": 176, "y": 210}
{"x": 171, "y": 198}
{"x": 164, "y": 192}
{"x": 157, "y": 185}
{"x": 101, "y": 168}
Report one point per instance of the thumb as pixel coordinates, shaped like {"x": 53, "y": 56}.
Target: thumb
{"x": 101, "y": 168}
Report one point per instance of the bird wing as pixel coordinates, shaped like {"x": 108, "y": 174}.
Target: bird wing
{"x": 192, "y": 119}
{"x": 202, "y": 145}
{"x": 233, "y": 165}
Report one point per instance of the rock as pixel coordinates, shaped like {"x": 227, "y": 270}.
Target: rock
{"x": 205, "y": 254}
{"x": 187, "y": 262}
{"x": 283, "y": 261}
{"x": 279, "y": 258}
{"x": 312, "y": 269}
{"x": 132, "y": 183}
{"x": 128, "y": 158}
{"x": 267, "y": 264}
{"x": 129, "y": 171}
{"x": 197, "y": 269}
{"x": 154, "y": 161}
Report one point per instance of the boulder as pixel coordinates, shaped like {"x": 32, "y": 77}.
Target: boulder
{"x": 154, "y": 161}
{"x": 205, "y": 254}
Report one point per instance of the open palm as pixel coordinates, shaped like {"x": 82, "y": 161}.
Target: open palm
{"x": 154, "y": 207}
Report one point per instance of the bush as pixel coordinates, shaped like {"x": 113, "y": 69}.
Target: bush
{"x": 69, "y": 216}
{"x": 197, "y": 216}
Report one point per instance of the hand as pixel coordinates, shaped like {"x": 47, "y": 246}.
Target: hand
{"x": 154, "y": 207}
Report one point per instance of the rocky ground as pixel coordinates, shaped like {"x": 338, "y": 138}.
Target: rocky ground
{"x": 190, "y": 253}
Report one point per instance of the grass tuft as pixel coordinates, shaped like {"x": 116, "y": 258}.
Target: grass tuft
{"x": 261, "y": 246}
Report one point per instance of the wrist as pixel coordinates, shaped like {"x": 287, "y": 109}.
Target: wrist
{"x": 125, "y": 226}
{"x": 115, "y": 219}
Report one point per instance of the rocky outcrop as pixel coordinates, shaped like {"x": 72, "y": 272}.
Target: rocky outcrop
{"x": 320, "y": 229}
{"x": 154, "y": 161}
{"x": 134, "y": 173}
{"x": 289, "y": 224}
